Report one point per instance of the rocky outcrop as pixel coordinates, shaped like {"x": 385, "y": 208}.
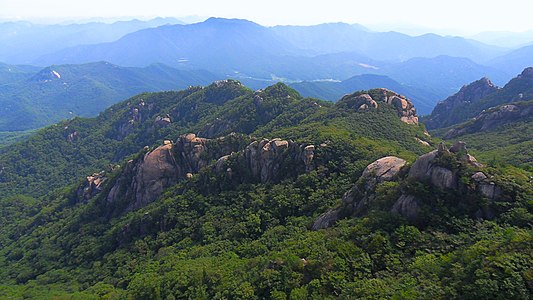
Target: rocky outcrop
{"x": 357, "y": 198}
{"x": 160, "y": 122}
{"x": 493, "y": 118}
{"x": 437, "y": 169}
{"x": 362, "y": 101}
{"x": 264, "y": 160}
{"x": 137, "y": 113}
{"x": 383, "y": 169}
{"x": 91, "y": 187}
{"x": 444, "y": 115}
{"x": 407, "y": 206}
{"x": 143, "y": 180}
{"x": 422, "y": 142}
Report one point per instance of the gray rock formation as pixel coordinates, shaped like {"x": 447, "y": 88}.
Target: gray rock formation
{"x": 355, "y": 200}
{"x": 365, "y": 101}
{"x": 492, "y": 118}
{"x": 143, "y": 180}
{"x": 91, "y": 187}
{"x": 407, "y": 206}
{"x": 438, "y": 169}
{"x": 443, "y": 113}
{"x": 156, "y": 171}
{"x": 162, "y": 121}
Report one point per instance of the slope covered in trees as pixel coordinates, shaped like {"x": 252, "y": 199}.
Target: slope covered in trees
{"x": 231, "y": 207}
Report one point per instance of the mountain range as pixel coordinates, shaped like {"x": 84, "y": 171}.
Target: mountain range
{"x": 222, "y": 191}
{"x": 23, "y": 42}
{"x": 31, "y": 99}
{"x": 310, "y": 58}
{"x": 495, "y": 122}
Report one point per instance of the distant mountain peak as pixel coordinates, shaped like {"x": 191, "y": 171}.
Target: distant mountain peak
{"x": 443, "y": 114}
{"x": 528, "y": 72}
{"x": 46, "y": 75}
{"x": 225, "y": 21}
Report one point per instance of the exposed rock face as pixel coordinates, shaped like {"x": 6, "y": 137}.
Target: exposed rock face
{"x": 92, "y": 186}
{"x": 485, "y": 187}
{"x": 189, "y": 152}
{"x": 72, "y": 136}
{"x": 307, "y": 156}
{"x": 422, "y": 142}
{"x": 328, "y": 218}
{"x": 383, "y": 169}
{"x": 162, "y": 121}
{"x": 265, "y": 158}
{"x": 407, "y": 206}
{"x": 428, "y": 168}
{"x": 142, "y": 181}
{"x": 156, "y": 171}
{"x": 216, "y": 128}
{"x": 136, "y": 115}
{"x": 356, "y": 199}
{"x": 424, "y": 169}
{"x": 443, "y": 114}
{"x": 493, "y": 118}
{"x": 364, "y": 101}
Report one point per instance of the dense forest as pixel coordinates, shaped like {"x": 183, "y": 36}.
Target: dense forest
{"x": 236, "y": 181}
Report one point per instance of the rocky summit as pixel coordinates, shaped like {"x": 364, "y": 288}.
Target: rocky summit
{"x": 439, "y": 170}
{"x": 493, "y": 118}
{"x": 444, "y": 113}
{"x": 362, "y": 101}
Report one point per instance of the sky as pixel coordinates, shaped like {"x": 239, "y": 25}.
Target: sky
{"x": 454, "y": 16}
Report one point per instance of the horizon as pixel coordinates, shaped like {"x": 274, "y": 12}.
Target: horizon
{"x": 412, "y": 17}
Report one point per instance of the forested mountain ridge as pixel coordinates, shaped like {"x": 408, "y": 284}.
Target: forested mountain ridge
{"x": 35, "y": 99}
{"x": 472, "y": 99}
{"x": 221, "y": 201}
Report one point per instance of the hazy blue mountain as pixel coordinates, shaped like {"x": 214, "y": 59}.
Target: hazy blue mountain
{"x": 243, "y": 46}
{"x": 443, "y": 75}
{"x": 505, "y": 38}
{"x": 23, "y": 42}
{"x": 334, "y": 90}
{"x": 216, "y": 44}
{"x": 340, "y": 37}
{"x": 14, "y": 73}
{"x": 475, "y": 98}
{"x": 325, "y": 38}
{"x": 64, "y": 91}
{"x": 515, "y": 61}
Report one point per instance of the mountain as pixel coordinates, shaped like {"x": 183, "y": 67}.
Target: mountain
{"x": 472, "y": 99}
{"x": 218, "y": 44}
{"x": 23, "y": 42}
{"x": 387, "y": 46}
{"x": 127, "y": 127}
{"x": 443, "y": 75}
{"x": 131, "y": 204}
{"x": 33, "y": 100}
{"x": 14, "y": 73}
{"x": 332, "y": 90}
{"x": 250, "y": 50}
{"x": 448, "y": 112}
{"x": 506, "y": 39}
{"x": 514, "y": 61}
{"x": 501, "y": 134}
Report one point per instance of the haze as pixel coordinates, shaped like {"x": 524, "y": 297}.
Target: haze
{"x": 453, "y": 16}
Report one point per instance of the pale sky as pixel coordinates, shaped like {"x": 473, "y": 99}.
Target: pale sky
{"x": 452, "y": 15}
